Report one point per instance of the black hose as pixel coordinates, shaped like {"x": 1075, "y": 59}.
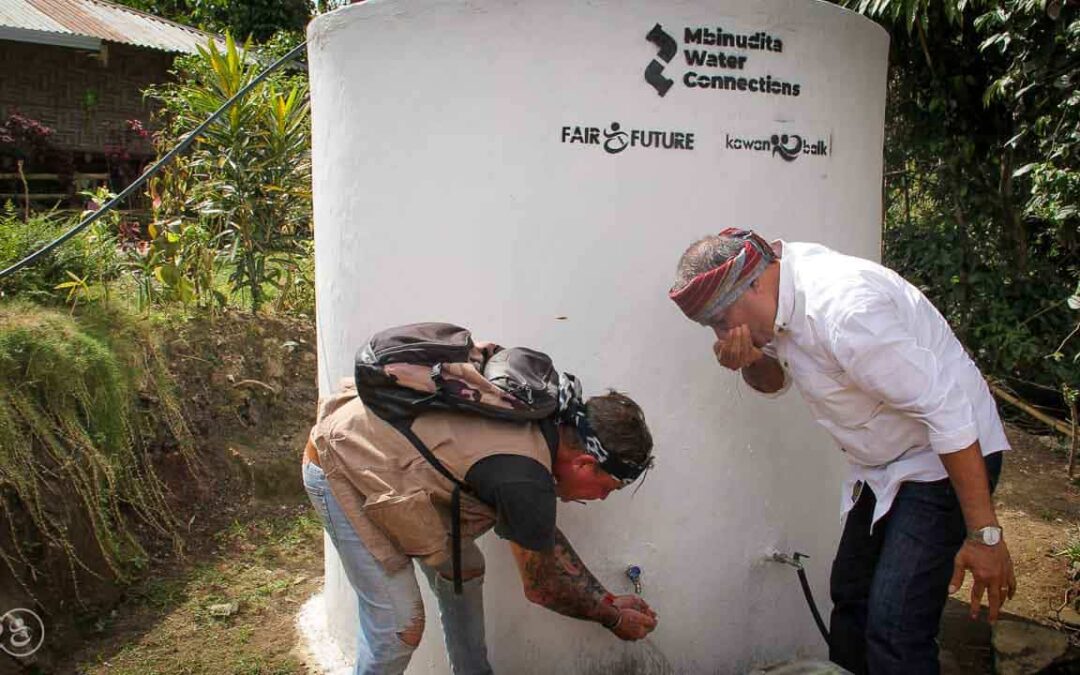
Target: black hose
{"x": 154, "y": 168}
{"x": 810, "y": 599}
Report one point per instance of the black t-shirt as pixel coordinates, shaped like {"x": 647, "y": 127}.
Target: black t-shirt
{"x": 523, "y": 494}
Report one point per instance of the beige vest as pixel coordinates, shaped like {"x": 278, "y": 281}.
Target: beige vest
{"x": 398, "y": 503}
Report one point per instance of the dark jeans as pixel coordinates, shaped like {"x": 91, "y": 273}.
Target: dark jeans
{"x": 889, "y": 588}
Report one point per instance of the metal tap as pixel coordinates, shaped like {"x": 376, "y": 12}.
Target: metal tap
{"x": 633, "y": 573}
{"x": 795, "y": 560}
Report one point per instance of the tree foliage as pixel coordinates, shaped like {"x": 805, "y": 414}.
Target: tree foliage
{"x": 982, "y": 143}
{"x": 257, "y": 20}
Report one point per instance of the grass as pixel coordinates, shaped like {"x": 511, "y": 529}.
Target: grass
{"x": 1072, "y": 550}
{"x": 73, "y": 435}
{"x": 91, "y": 257}
{"x": 268, "y": 566}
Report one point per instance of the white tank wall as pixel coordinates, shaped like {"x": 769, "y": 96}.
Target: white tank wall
{"x": 444, "y": 191}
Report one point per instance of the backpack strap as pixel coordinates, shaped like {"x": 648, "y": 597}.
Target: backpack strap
{"x": 455, "y": 538}
{"x": 405, "y": 427}
{"x": 549, "y": 427}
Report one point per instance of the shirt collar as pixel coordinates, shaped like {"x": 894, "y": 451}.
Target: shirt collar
{"x": 785, "y": 301}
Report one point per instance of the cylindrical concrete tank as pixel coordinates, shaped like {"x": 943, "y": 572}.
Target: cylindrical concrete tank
{"x": 533, "y": 170}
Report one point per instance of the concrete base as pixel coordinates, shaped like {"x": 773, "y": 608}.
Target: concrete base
{"x": 805, "y": 667}
{"x": 320, "y": 652}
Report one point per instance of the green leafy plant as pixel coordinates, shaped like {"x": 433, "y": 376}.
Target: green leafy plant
{"x": 77, "y": 289}
{"x": 294, "y": 281}
{"x": 1072, "y": 550}
{"x": 244, "y": 187}
{"x": 92, "y": 257}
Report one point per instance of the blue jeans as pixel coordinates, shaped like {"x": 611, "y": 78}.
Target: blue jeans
{"x": 889, "y": 587}
{"x": 390, "y": 606}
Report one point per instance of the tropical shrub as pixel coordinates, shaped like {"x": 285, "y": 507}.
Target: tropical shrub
{"x": 241, "y": 199}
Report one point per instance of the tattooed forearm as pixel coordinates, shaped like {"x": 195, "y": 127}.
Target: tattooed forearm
{"x": 559, "y": 580}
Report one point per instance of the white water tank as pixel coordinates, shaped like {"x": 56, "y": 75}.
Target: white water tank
{"x": 533, "y": 170}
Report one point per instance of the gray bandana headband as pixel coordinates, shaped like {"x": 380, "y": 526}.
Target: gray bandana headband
{"x": 572, "y": 411}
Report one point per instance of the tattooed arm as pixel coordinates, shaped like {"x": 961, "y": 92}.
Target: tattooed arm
{"x": 559, "y": 580}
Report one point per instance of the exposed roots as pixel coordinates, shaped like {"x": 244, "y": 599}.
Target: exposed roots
{"x": 73, "y": 450}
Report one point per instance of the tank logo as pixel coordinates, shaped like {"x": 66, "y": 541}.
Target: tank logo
{"x": 719, "y": 59}
{"x": 614, "y": 139}
{"x": 788, "y": 147}
{"x": 654, "y": 72}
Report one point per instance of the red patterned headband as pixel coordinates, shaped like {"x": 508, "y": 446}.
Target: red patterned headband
{"x": 710, "y": 293}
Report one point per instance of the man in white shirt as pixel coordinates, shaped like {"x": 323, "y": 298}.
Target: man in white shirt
{"x": 883, "y": 373}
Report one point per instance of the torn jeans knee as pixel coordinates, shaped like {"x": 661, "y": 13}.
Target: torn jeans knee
{"x": 411, "y": 634}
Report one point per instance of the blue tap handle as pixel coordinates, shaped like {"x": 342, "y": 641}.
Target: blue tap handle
{"x": 633, "y": 573}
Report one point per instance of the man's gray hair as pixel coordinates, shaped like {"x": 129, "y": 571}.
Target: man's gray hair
{"x": 703, "y": 255}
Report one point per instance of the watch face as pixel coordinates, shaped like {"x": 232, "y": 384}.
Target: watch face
{"x": 991, "y": 536}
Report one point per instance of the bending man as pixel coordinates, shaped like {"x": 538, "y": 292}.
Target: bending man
{"x": 355, "y": 461}
{"x": 883, "y": 373}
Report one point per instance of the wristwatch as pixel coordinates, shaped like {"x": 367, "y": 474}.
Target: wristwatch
{"x": 989, "y": 535}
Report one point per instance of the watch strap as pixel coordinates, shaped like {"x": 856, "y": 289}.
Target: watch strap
{"x": 979, "y": 535}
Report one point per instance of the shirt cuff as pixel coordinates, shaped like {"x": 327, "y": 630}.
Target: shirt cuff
{"x": 779, "y": 392}
{"x": 783, "y": 388}
{"x": 954, "y": 441}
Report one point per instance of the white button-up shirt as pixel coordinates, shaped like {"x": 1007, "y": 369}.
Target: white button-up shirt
{"x": 881, "y": 370}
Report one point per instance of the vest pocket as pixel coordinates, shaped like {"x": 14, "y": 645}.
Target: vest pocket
{"x": 410, "y": 522}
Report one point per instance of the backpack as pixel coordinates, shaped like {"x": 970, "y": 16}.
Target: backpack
{"x": 405, "y": 371}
